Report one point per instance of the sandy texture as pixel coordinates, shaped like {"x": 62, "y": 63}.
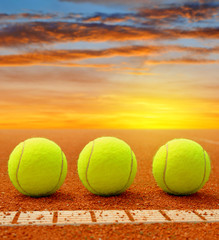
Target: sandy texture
{"x": 143, "y": 194}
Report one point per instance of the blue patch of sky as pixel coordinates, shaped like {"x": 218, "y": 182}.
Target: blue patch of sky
{"x": 187, "y": 42}
{"x": 209, "y": 42}
{"x": 15, "y": 6}
{"x": 117, "y": 61}
{"x": 212, "y": 23}
{"x": 82, "y": 45}
{"x": 8, "y": 51}
{"x": 214, "y": 56}
{"x": 201, "y": 24}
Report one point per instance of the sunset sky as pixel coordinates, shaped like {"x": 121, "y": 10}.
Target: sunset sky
{"x": 138, "y": 64}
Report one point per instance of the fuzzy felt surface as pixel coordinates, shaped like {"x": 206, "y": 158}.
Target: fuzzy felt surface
{"x": 37, "y": 167}
{"x": 181, "y": 167}
{"x": 107, "y": 166}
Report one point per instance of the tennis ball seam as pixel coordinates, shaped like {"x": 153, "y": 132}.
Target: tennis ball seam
{"x": 203, "y": 179}
{"x": 60, "y": 175}
{"x": 18, "y": 170}
{"x": 89, "y": 164}
{"x": 92, "y": 149}
{"x": 164, "y": 174}
{"x": 128, "y": 177}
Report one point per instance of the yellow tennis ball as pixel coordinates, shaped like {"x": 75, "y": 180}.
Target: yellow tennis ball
{"x": 37, "y": 167}
{"x": 181, "y": 167}
{"x": 107, "y": 166}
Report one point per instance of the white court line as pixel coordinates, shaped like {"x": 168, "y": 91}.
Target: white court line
{"x": 183, "y": 216}
{"x": 79, "y": 217}
{"x": 6, "y": 218}
{"x": 35, "y": 218}
{"x": 143, "y": 216}
{"x": 209, "y": 215}
{"x": 111, "y": 216}
{"x": 74, "y": 217}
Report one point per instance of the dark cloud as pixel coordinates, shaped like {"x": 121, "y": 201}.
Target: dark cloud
{"x": 189, "y": 11}
{"x": 147, "y": 3}
{"x": 169, "y": 13}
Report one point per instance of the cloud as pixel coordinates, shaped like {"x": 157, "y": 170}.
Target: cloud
{"x": 61, "y": 56}
{"x": 170, "y": 13}
{"x": 110, "y": 18}
{"x": 65, "y": 57}
{"x": 190, "y": 11}
{"x": 146, "y": 3}
{"x": 50, "y": 79}
{"x": 5, "y": 16}
{"x": 182, "y": 61}
{"x": 158, "y": 14}
{"x": 52, "y": 32}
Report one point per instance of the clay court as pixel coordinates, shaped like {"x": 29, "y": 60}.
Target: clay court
{"x": 144, "y": 194}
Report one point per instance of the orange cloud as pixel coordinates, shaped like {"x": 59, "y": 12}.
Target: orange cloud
{"x": 113, "y": 18}
{"x": 54, "y": 78}
{"x": 45, "y": 57}
{"x": 93, "y": 19}
{"x": 63, "y": 57}
{"x": 182, "y": 61}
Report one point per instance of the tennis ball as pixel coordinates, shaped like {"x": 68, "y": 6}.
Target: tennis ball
{"x": 37, "y": 167}
{"x": 181, "y": 167}
{"x": 107, "y": 166}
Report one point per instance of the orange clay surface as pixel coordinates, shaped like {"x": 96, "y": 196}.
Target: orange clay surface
{"x": 143, "y": 194}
